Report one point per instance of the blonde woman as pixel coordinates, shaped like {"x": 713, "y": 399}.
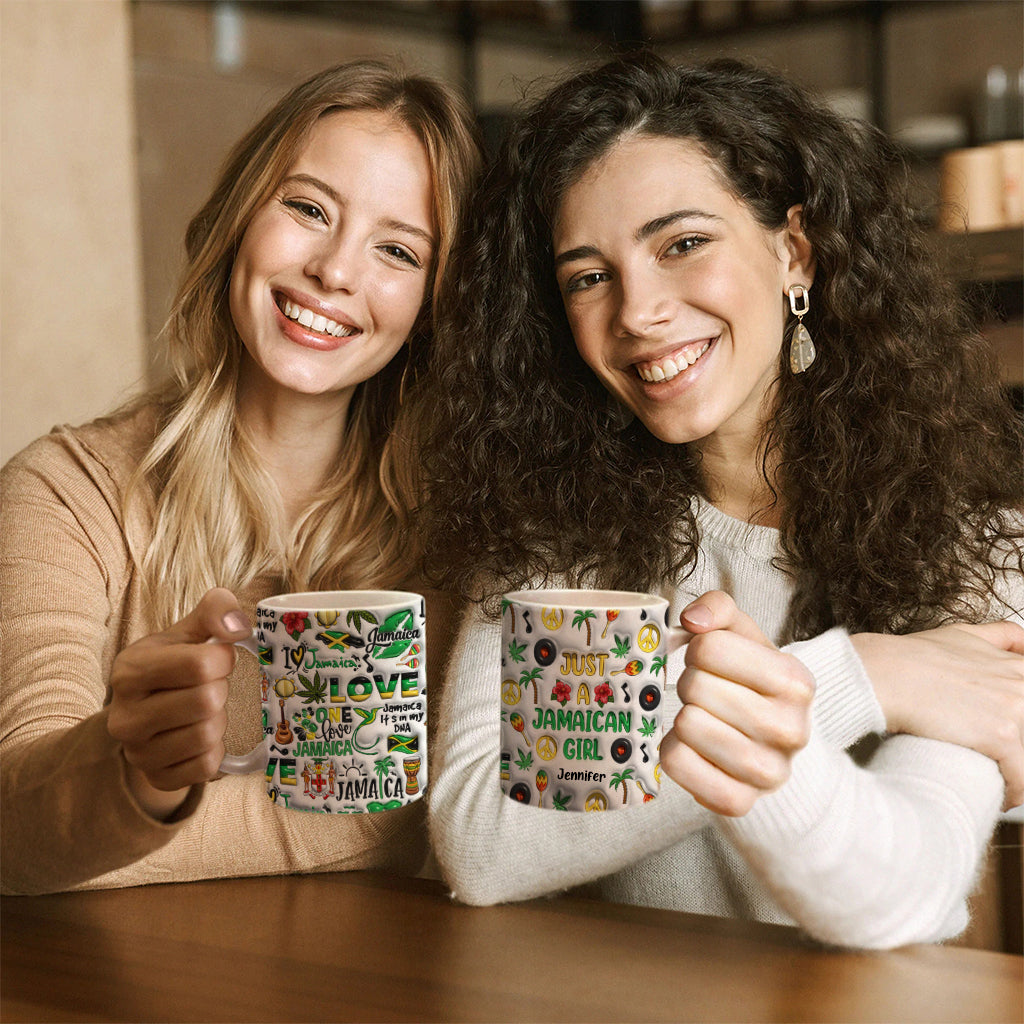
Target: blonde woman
{"x": 273, "y": 460}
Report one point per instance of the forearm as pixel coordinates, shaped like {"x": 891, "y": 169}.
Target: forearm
{"x": 68, "y": 815}
{"x": 877, "y": 857}
{"x": 70, "y": 821}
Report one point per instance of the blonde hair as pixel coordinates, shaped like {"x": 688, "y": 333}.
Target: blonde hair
{"x": 217, "y": 519}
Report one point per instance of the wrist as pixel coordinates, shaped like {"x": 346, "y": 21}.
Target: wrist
{"x": 160, "y": 804}
{"x": 876, "y": 655}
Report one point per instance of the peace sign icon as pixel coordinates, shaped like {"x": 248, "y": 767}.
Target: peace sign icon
{"x": 546, "y": 747}
{"x": 648, "y": 638}
{"x": 596, "y": 801}
{"x": 511, "y": 691}
{"x": 552, "y": 617}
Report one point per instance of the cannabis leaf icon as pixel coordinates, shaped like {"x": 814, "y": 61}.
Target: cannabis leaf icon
{"x": 515, "y": 651}
{"x": 314, "y": 692}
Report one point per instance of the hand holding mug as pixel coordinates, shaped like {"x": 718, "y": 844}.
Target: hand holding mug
{"x": 746, "y": 710}
{"x": 168, "y": 696}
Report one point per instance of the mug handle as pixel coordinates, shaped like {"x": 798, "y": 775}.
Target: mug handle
{"x": 256, "y": 759}
{"x": 677, "y": 637}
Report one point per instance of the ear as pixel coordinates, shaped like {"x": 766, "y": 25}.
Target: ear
{"x": 798, "y": 246}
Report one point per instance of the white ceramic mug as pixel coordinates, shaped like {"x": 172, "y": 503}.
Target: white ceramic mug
{"x": 344, "y": 693}
{"x": 583, "y": 685}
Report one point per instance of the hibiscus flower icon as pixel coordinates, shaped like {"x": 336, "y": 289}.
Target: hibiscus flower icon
{"x": 561, "y": 692}
{"x": 295, "y": 623}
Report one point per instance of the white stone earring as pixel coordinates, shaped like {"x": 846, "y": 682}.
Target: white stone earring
{"x": 801, "y": 349}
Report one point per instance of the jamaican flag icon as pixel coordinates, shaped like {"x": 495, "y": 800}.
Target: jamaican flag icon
{"x": 265, "y": 655}
{"x": 403, "y": 744}
{"x": 336, "y": 640}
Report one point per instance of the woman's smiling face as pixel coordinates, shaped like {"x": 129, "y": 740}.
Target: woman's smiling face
{"x": 332, "y": 270}
{"x": 673, "y": 290}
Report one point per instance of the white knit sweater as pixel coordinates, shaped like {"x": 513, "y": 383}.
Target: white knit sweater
{"x": 874, "y": 857}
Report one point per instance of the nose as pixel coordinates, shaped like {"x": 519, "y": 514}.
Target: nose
{"x": 335, "y": 264}
{"x": 644, "y": 304}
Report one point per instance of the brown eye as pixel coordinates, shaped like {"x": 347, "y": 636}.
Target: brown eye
{"x": 308, "y": 210}
{"x": 585, "y": 281}
{"x": 682, "y": 246}
{"x": 399, "y": 253}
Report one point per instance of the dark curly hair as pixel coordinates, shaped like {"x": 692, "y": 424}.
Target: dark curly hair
{"x": 898, "y": 455}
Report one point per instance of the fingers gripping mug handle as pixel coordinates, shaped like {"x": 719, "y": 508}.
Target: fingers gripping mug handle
{"x": 256, "y": 759}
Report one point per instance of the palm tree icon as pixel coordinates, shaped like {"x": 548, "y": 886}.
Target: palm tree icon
{"x": 507, "y": 605}
{"x": 529, "y": 675}
{"x": 382, "y": 769}
{"x": 582, "y": 618}
{"x": 620, "y": 779}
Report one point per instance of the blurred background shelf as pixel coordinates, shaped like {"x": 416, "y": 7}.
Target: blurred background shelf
{"x": 987, "y": 257}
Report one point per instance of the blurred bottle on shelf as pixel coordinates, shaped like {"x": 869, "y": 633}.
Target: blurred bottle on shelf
{"x": 993, "y": 118}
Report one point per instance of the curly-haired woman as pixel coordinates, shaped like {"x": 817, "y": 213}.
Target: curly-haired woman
{"x": 274, "y": 460}
{"x": 699, "y": 347}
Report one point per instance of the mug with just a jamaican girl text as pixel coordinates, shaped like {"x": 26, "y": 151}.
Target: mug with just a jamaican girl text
{"x": 583, "y": 683}
{"x": 344, "y": 700}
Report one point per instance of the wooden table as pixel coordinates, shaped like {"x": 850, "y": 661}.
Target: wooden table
{"x": 363, "y": 947}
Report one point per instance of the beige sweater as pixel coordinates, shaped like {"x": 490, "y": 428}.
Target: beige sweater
{"x": 71, "y": 600}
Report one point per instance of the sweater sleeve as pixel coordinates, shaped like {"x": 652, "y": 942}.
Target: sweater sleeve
{"x": 68, "y": 814}
{"x": 492, "y": 849}
{"x": 887, "y": 854}
{"x": 879, "y": 856}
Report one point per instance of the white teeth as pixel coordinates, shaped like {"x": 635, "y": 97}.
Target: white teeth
{"x": 667, "y": 368}
{"x": 314, "y": 321}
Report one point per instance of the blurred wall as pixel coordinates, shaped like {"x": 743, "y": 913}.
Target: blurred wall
{"x": 71, "y": 338}
{"x": 116, "y": 116}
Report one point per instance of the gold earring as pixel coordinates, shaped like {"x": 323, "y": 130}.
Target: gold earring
{"x": 801, "y": 349}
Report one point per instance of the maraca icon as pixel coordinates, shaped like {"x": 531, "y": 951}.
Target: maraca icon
{"x": 519, "y": 725}
{"x": 611, "y": 615}
{"x": 542, "y": 784}
{"x": 633, "y": 668}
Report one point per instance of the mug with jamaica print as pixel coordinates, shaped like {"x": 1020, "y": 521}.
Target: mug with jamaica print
{"x": 583, "y": 678}
{"x": 344, "y": 700}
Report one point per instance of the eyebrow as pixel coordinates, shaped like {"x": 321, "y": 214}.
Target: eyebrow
{"x": 335, "y": 197}
{"x": 652, "y": 227}
{"x": 642, "y": 234}
{"x": 582, "y": 252}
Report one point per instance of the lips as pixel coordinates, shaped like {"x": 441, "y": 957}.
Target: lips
{"x": 665, "y": 368}
{"x": 314, "y": 321}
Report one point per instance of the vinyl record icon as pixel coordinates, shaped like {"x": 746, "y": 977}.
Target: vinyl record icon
{"x": 650, "y": 697}
{"x": 622, "y": 750}
{"x": 544, "y": 651}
